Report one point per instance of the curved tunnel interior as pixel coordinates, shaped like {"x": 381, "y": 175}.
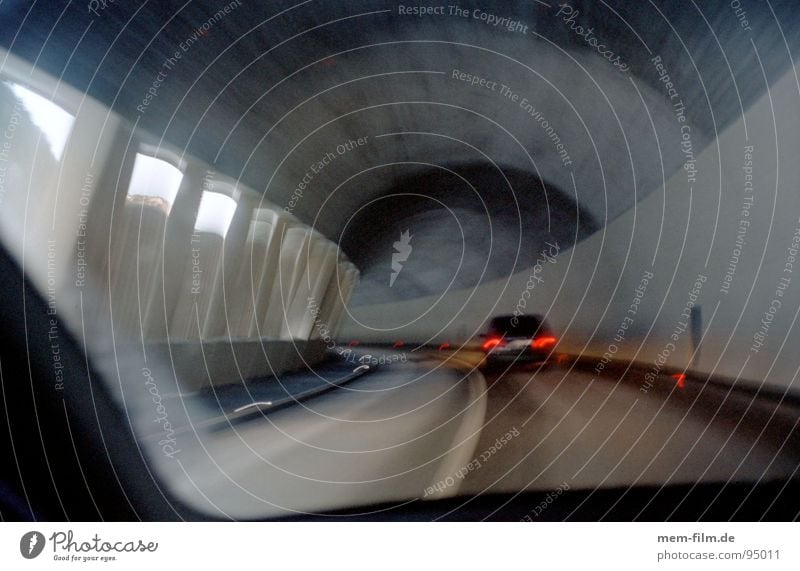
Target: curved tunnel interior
{"x": 467, "y": 134}
{"x": 221, "y": 194}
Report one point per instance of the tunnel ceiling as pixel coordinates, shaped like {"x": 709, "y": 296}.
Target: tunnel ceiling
{"x": 365, "y": 120}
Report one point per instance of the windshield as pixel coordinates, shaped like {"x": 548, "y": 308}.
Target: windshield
{"x": 350, "y": 255}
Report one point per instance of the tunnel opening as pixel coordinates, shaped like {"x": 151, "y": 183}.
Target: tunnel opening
{"x": 456, "y": 227}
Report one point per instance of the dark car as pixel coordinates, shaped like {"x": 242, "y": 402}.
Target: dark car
{"x": 523, "y": 337}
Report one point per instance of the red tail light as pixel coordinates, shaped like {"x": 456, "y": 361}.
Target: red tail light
{"x": 491, "y": 343}
{"x": 543, "y": 342}
{"x": 681, "y": 378}
{"x": 398, "y": 344}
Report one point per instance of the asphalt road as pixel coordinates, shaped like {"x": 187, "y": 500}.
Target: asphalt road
{"x": 589, "y": 432}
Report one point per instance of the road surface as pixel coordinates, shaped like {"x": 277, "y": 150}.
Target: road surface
{"x": 592, "y": 431}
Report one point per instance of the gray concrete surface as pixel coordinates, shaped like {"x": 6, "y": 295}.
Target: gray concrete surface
{"x": 595, "y": 432}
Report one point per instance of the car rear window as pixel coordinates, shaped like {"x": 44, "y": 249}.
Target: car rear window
{"x": 511, "y": 326}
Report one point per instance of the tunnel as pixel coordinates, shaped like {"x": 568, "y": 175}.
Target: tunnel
{"x": 227, "y": 191}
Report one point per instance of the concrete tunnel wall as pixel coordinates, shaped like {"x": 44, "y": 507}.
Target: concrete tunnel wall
{"x": 147, "y": 243}
{"x": 680, "y": 237}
